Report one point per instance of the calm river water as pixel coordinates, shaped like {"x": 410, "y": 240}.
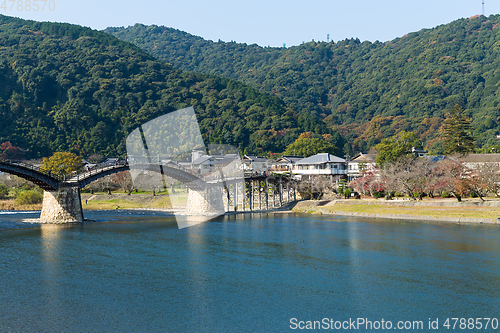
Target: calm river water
{"x": 136, "y": 272}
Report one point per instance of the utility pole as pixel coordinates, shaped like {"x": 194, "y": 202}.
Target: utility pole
{"x": 483, "y": 8}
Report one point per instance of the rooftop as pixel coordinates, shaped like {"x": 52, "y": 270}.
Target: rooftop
{"x": 321, "y": 158}
{"x": 254, "y": 158}
{"x": 481, "y": 158}
{"x": 289, "y": 159}
{"x": 368, "y": 158}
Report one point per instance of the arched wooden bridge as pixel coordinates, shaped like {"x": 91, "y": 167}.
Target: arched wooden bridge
{"x": 62, "y": 201}
{"x": 49, "y": 182}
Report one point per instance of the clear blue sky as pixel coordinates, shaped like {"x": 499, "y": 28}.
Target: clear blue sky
{"x": 266, "y": 22}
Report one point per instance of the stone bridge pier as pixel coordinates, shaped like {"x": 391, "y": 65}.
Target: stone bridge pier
{"x": 63, "y": 205}
{"x": 206, "y": 202}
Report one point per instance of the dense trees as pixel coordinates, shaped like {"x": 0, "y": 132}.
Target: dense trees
{"x": 70, "y": 88}
{"x": 368, "y": 91}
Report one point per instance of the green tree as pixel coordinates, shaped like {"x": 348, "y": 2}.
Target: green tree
{"x": 401, "y": 144}
{"x": 4, "y": 191}
{"x": 309, "y": 146}
{"x": 456, "y": 131}
{"x": 62, "y": 163}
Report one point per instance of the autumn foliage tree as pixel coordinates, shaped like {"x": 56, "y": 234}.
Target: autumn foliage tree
{"x": 8, "y": 151}
{"x": 409, "y": 175}
{"x": 370, "y": 182}
{"x": 454, "y": 177}
{"x": 62, "y": 163}
{"x": 123, "y": 180}
{"x": 484, "y": 179}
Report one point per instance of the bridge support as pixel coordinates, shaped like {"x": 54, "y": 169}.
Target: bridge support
{"x": 62, "y": 206}
{"x": 206, "y": 202}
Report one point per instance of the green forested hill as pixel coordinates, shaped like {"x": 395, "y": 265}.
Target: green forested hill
{"x": 69, "y": 88}
{"x": 366, "y": 90}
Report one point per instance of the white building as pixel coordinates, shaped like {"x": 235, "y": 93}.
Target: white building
{"x": 208, "y": 163}
{"x": 359, "y": 164}
{"x": 475, "y": 161}
{"x": 321, "y": 164}
{"x": 252, "y": 163}
{"x": 285, "y": 164}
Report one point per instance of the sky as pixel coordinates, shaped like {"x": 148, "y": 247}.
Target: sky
{"x": 264, "y": 22}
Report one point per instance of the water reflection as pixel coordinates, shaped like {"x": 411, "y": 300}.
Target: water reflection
{"x": 50, "y": 235}
{"x": 198, "y": 275}
{"x": 54, "y": 258}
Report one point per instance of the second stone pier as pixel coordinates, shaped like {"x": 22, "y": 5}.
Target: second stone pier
{"x": 62, "y": 206}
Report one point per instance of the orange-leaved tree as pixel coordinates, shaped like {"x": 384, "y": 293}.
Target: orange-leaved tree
{"x": 62, "y": 163}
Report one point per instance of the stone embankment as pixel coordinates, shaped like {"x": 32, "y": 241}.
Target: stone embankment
{"x": 444, "y": 210}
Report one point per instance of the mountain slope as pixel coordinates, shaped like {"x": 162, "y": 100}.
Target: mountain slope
{"x": 66, "y": 87}
{"x": 366, "y": 90}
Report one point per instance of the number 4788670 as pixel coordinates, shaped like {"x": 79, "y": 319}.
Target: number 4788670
{"x": 28, "y": 5}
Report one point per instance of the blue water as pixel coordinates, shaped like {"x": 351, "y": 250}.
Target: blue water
{"x": 136, "y": 272}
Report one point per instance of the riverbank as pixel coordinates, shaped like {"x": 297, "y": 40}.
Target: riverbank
{"x": 133, "y": 201}
{"x": 10, "y": 204}
{"x": 440, "y": 210}
{"x": 104, "y": 201}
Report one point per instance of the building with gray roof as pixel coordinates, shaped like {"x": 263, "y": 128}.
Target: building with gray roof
{"x": 322, "y": 164}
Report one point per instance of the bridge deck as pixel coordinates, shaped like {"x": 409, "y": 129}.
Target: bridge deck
{"x": 189, "y": 177}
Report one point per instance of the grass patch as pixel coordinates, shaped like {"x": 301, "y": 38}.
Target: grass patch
{"x": 437, "y": 212}
{"x": 129, "y": 201}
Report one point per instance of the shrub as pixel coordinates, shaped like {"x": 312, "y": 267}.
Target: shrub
{"x": 378, "y": 194}
{"x": 473, "y": 194}
{"x": 4, "y": 191}
{"x": 30, "y": 197}
{"x": 348, "y": 192}
{"x": 445, "y": 194}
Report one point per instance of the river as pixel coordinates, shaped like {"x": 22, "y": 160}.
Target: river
{"x": 132, "y": 271}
